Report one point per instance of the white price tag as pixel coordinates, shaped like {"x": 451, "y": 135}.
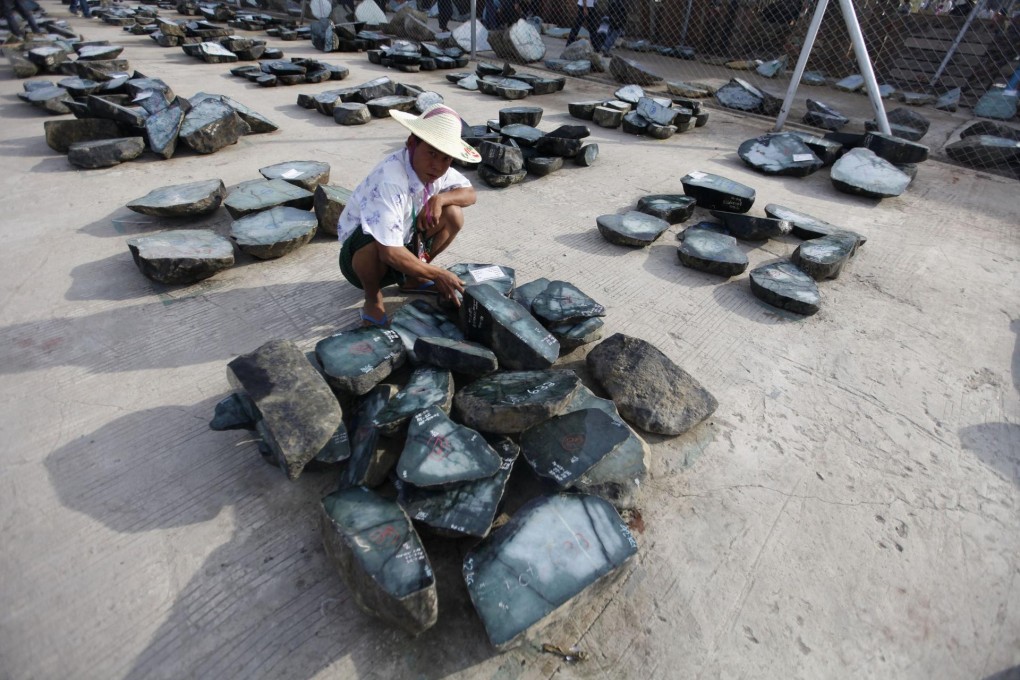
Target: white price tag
{"x": 486, "y": 273}
{"x": 291, "y": 174}
{"x": 696, "y": 175}
{"x": 797, "y": 157}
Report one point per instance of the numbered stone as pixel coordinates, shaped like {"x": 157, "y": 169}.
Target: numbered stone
{"x": 984, "y": 151}
{"x": 440, "y": 453}
{"x": 104, "y": 153}
{"x": 467, "y": 509}
{"x": 647, "y": 387}
{"x": 549, "y": 558}
{"x": 273, "y": 233}
{"x": 805, "y": 226}
{"x": 564, "y": 303}
{"x": 587, "y": 156}
{"x": 351, "y": 113}
{"x": 631, "y": 229}
{"x": 372, "y": 457}
{"x": 511, "y": 402}
{"x": 258, "y": 195}
{"x": 61, "y": 134}
{"x": 784, "y": 285}
{"x": 427, "y": 387}
{"x": 827, "y": 150}
{"x": 212, "y": 125}
{"x": 305, "y": 174}
{"x": 654, "y": 111}
{"x": 566, "y": 446}
{"x": 329, "y": 202}
{"x": 193, "y": 199}
{"x": 894, "y": 149}
{"x": 779, "y": 154}
{"x": 861, "y": 172}
{"x": 355, "y": 361}
{"x": 540, "y": 166}
{"x": 713, "y": 253}
{"x": 370, "y": 542}
{"x": 467, "y": 358}
{"x": 182, "y": 256}
{"x": 502, "y": 158}
{"x": 48, "y": 57}
{"x": 419, "y": 319}
{"x": 673, "y": 208}
{"x": 751, "y": 228}
{"x": 823, "y": 258}
{"x": 516, "y": 338}
{"x": 299, "y": 412}
{"x": 520, "y": 115}
{"x": 713, "y": 192}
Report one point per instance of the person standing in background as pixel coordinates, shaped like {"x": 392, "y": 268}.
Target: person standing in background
{"x": 9, "y": 7}
{"x": 445, "y": 14}
{"x": 86, "y": 11}
{"x": 585, "y": 16}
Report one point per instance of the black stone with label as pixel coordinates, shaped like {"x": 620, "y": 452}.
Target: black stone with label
{"x": 499, "y": 277}
{"x": 784, "y": 285}
{"x": 751, "y": 228}
{"x": 440, "y": 453}
{"x": 518, "y": 340}
{"x": 305, "y": 174}
{"x": 718, "y": 193}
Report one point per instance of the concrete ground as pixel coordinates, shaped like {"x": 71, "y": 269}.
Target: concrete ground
{"x": 850, "y": 511}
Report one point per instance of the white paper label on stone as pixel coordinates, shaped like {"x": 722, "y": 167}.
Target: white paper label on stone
{"x": 486, "y": 274}
{"x": 695, "y": 175}
{"x": 294, "y": 172}
{"x": 797, "y": 157}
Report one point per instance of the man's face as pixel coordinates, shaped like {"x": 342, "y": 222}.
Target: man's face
{"x": 428, "y": 162}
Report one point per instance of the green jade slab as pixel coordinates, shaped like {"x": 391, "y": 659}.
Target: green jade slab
{"x": 633, "y": 228}
{"x": 274, "y": 233}
{"x": 369, "y": 463}
{"x": 181, "y": 200}
{"x": 511, "y": 402}
{"x": 419, "y": 319}
{"x": 439, "y": 452}
{"x": 564, "y": 447}
{"x": 516, "y": 338}
{"x": 573, "y": 335}
{"x": 526, "y": 293}
{"x": 257, "y": 195}
{"x": 674, "y": 208}
{"x": 459, "y": 356}
{"x": 355, "y": 361}
{"x": 499, "y": 277}
{"x": 305, "y": 174}
{"x": 563, "y": 302}
{"x": 428, "y": 386}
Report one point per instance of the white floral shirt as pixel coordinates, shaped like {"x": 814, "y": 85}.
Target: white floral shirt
{"x": 385, "y": 203}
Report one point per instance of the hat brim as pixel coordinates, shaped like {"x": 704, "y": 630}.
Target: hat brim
{"x": 456, "y": 148}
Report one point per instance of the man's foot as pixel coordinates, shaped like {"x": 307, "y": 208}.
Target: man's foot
{"x": 367, "y": 320}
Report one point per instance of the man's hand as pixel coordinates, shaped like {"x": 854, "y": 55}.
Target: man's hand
{"x": 448, "y": 285}
{"x": 428, "y": 218}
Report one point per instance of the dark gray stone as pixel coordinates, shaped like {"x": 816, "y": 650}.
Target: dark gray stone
{"x": 212, "y": 125}
{"x": 467, "y": 358}
{"x": 427, "y": 387}
{"x": 607, "y": 117}
{"x": 510, "y": 331}
{"x": 162, "y": 130}
{"x": 305, "y": 174}
{"x": 440, "y": 453}
{"x": 573, "y": 335}
{"x": 540, "y": 166}
{"x": 427, "y": 100}
{"x": 274, "y": 233}
{"x": 381, "y": 106}
{"x": 61, "y": 134}
{"x": 805, "y": 226}
{"x": 80, "y": 87}
{"x": 894, "y": 149}
{"x": 587, "y": 156}
{"x": 372, "y": 545}
{"x": 631, "y": 94}
{"x": 713, "y": 227}
{"x": 656, "y": 131}
{"x": 511, "y": 402}
{"x": 713, "y": 192}
{"x": 500, "y": 180}
{"x": 525, "y": 294}
{"x": 990, "y": 128}
{"x": 257, "y": 195}
{"x": 583, "y": 110}
{"x": 102, "y": 107}
{"x": 563, "y": 303}
{"x": 214, "y": 53}
{"x": 372, "y": 456}
{"x": 256, "y": 122}
{"x": 861, "y": 172}
{"x": 820, "y": 114}
{"x": 902, "y": 131}
{"x": 52, "y": 99}
{"x": 520, "y": 43}
{"x": 520, "y": 115}
{"x": 631, "y": 229}
{"x": 909, "y": 118}
{"x": 105, "y": 153}
{"x": 355, "y": 361}
{"x": 949, "y": 101}
{"x": 632, "y": 72}
{"x": 329, "y": 202}
{"x": 182, "y": 256}
{"x": 564, "y": 147}
{"x": 524, "y": 135}
{"x": 751, "y": 228}
{"x": 419, "y": 319}
{"x": 655, "y": 112}
{"x": 299, "y": 412}
{"x": 570, "y": 132}
{"x": 741, "y": 95}
{"x": 236, "y": 412}
{"x": 502, "y": 158}
{"x": 784, "y": 285}
{"x": 995, "y": 103}
{"x": 710, "y": 252}
{"x": 779, "y": 154}
{"x": 520, "y": 586}
{"x": 823, "y": 258}
{"x": 48, "y": 57}
{"x": 351, "y": 113}
{"x": 647, "y": 387}
{"x": 827, "y": 150}
{"x": 181, "y": 200}
{"x": 673, "y": 208}
{"x": 984, "y": 151}
{"x": 563, "y": 448}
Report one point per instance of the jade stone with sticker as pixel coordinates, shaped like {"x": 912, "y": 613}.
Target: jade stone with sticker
{"x": 355, "y": 361}
{"x": 516, "y": 338}
{"x": 439, "y": 452}
{"x": 566, "y": 446}
{"x": 526, "y": 575}
{"x": 459, "y": 356}
{"x": 784, "y": 285}
{"x": 563, "y": 302}
{"x": 631, "y": 229}
{"x": 511, "y": 402}
{"x": 713, "y": 192}
{"x": 370, "y": 542}
{"x": 258, "y": 194}
{"x": 428, "y": 386}
{"x": 466, "y": 509}
{"x": 779, "y": 154}
{"x": 499, "y": 277}
{"x": 419, "y": 319}
{"x": 181, "y": 200}
{"x": 674, "y": 208}
{"x": 371, "y": 458}
{"x": 304, "y": 174}
{"x": 274, "y": 233}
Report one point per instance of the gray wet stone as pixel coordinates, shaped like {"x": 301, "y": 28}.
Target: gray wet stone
{"x": 525, "y": 294}
{"x": 100, "y": 52}
{"x": 823, "y": 258}
{"x": 192, "y": 199}
{"x": 649, "y": 389}
{"x": 984, "y": 151}
{"x": 440, "y": 453}
{"x": 525, "y": 135}
{"x": 813, "y": 78}
{"x": 102, "y": 107}
{"x": 61, "y": 134}
{"x": 608, "y": 117}
{"x": 520, "y": 115}
{"x": 214, "y": 53}
{"x": 827, "y": 150}
{"x": 104, "y": 153}
{"x": 632, "y": 72}
{"x": 80, "y": 87}
{"x": 257, "y": 195}
{"x": 501, "y": 157}
{"x": 516, "y": 338}
{"x": 713, "y": 253}
{"x": 784, "y": 285}
{"x": 779, "y": 154}
{"x": 182, "y": 256}
{"x": 329, "y": 202}
{"x": 305, "y": 174}
{"x": 770, "y": 69}
{"x": 573, "y": 335}
{"x": 655, "y": 112}
{"x": 916, "y": 98}
{"x": 520, "y": 43}
{"x": 584, "y": 110}
{"x": 372, "y": 456}
{"x": 632, "y": 94}
{"x": 861, "y": 172}
{"x": 540, "y": 166}
{"x": 564, "y": 303}
{"x": 52, "y": 99}
{"x": 351, "y": 113}
{"x": 633, "y": 228}
{"x": 357, "y": 360}
{"x": 851, "y": 83}
{"x": 714, "y": 192}
{"x": 587, "y": 156}
{"x": 751, "y": 228}
{"x": 274, "y": 233}
{"x": 949, "y": 101}
{"x": 427, "y": 387}
{"x": 467, "y": 509}
{"x": 894, "y": 149}
{"x": 563, "y": 147}
{"x": 519, "y": 586}
{"x": 996, "y": 104}
{"x": 822, "y": 115}
{"x": 570, "y": 132}
{"x": 989, "y": 128}
{"x": 510, "y": 402}
{"x": 563, "y": 448}
{"x": 162, "y": 130}
{"x": 463, "y": 357}
{"x": 212, "y": 125}
{"x": 373, "y": 547}
{"x": 500, "y": 180}
{"x": 380, "y": 107}
{"x": 419, "y": 319}
{"x": 299, "y": 412}
{"x": 805, "y": 226}
{"x": 741, "y": 95}
{"x": 673, "y": 208}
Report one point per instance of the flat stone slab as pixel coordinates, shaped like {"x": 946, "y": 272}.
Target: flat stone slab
{"x": 520, "y": 115}
{"x": 419, "y": 319}
{"x": 631, "y": 229}
{"x": 805, "y": 226}
{"x": 540, "y": 166}
{"x": 351, "y": 113}
{"x": 428, "y": 386}
{"x": 52, "y": 99}
{"x": 162, "y": 130}
{"x": 632, "y": 72}
{"x": 984, "y": 151}
{"x": 524, "y": 135}
{"x": 740, "y": 95}
{"x": 100, "y": 52}
{"x": 516, "y": 338}
{"x": 779, "y": 154}
{"x": 305, "y": 174}
{"x": 685, "y": 89}
{"x": 211, "y": 125}
{"x": 274, "y": 233}
{"x": 895, "y": 150}
{"x": 372, "y": 456}
{"x": 850, "y": 83}
{"x": 673, "y": 208}
{"x": 380, "y": 107}
{"x": 511, "y": 402}
{"x": 784, "y": 285}
{"x": 257, "y": 195}
{"x": 357, "y": 360}
{"x": 566, "y": 446}
{"x": 61, "y": 134}
{"x": 370, "y": 542}
{"x": 751, "y": 228}
{"x": 440, "y": 453}
{"x": 564, "y": 303}
{"x": 182, "y": 256}
{"x": 861, "y": 172}
{"x": 459, "y": 356}
{"x": 214, "y": 53}
{"x": 713, "y": 253}
{"x": 105, "y": 153}
{"x": 714, "y": 192}
{"x": 824, "y": 258}
{"x": 192, "y": 199}
{"x": 520, "y": 585}
{"x": 500, "y": 277}
{"x": 299, "y": 412}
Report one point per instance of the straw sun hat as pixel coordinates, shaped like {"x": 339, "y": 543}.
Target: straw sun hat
{"x": 439, "y": 126}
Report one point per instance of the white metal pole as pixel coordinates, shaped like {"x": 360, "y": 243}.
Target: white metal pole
{"x": 978, "y": 7}
{"x": 802, "y": 60}
{"x": 853, "y": 27}
{"x": 474, "y": 27}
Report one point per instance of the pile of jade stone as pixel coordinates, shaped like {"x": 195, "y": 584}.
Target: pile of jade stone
{"x": 359, "y": 104}
{"x": 505, "y": 81}
{"x": 429, "y": 424}
{"x": 297, "y": 71}
{"x": 273, "y": 216}
{"x": 62, "y": 52}
{"x": 711, "y": 246}
{"x": 639, "y": 114}
{"x": 410, "y": 56}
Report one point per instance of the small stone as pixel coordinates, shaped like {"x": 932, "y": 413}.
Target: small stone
{"x": 647, "y": 387}
{"x": 850, "y": 83}
{"x": 20, "y": 65}
{"x": 61, "y": 134}
{"x": 419, "y": 319}
{"x": 740, "y": 95}
{"x": 751, "y": 228}
{"x": 521, "y": 43}
{"x": 631, "y": 94}
{"x": 563, "y": 448}
{"x": 427, "y": 100}
{"x": 916, "y": 98}
{"x": 684, "y": 89}
{"x": 258, "y": 195}
{"x": 305, "y": 174}
{"x": 48, "y": 57}
{"x": 781, "y": 153}
{"x": 805, "y": 226}
{"x": 520, "y": 115}
{"x": 813, "y": 78}
{"x": 904, "y": 118}
{"x": 861, "y": 172}
{"x": 886, "y": 91}
{"x": 823, "y": 258}
{"x": 511, "y": 402}
{"x": 351, "y": 113}
{"x": 714, "y": 192}
{"x": 704, "y": 225}
{"x": 824, "y": 116}
{"x": 587, "y": 156}
{"x": 273, "y": 233}
{"x": 783, "y": 285}
{"x": 51, "y": 99}
{"x": 564, "y": 147}
{"x": 463, "y": 357}
{"x": 894, "y": 149}
{"x": 329, "y": 202}
{"x": 564, "y": 303}
{"x": 381, "y": 106}
{"x": 212, "y": 125}
{"x": 540, "y": 166}
{"x": 372, "y": 457}
{"x": 355, "y": 361}
{"x": 524, "y": 135}
{"x": 105, "y": 153}
{"x": 193, "y": 199}
{"x": 214, "y": 53}
{"x": 181, "y": 257}
{"x": 632, "y": 72}
{"x": 256, "y": 122}
{"x": 950, "y": 101}
{"x": 991, "y": 129}
{"x": 80, "y": 87}
{"x": 440, "y": 453}
{"x": 984, "y": 151}
{"x": 583, "y": 110}
{"x": 714, "y": 253}
{"x": 570, "y": 132}
{"x": 631, "y": 229}
{"x": 771, "y": 69}
{"x": 607, "y": 117}
{"x": 673, "y": 208}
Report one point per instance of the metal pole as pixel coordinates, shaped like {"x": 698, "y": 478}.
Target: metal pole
{"x": 802, "y": 60}
{"x": 956, "y": 43}
{"x": 853, "y": 27}
{"x": 474, "y": 27}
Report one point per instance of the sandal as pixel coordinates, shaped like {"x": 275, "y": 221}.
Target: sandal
{"x": 368, "y": 320}
{"x": 426, "y": 288}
